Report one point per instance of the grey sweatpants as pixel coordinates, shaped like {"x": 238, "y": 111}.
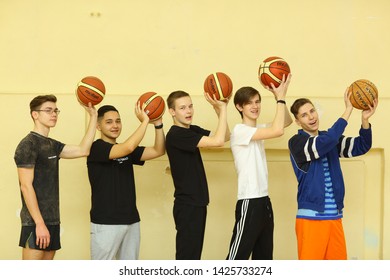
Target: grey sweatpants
{"x": 120, "y": 242}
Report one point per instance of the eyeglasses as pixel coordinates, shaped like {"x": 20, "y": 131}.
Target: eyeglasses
{"x": 50, "y": 111}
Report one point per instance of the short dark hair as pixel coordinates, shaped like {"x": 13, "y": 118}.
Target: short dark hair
{"x": 298, "y": 104}
{"x": 175, "y": 95}
{"x": 243, "y": 95}
{"x": 104, "y": 109}
{"x": 37, "y": 101}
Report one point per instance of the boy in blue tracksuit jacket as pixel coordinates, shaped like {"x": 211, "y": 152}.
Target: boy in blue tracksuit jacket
{"x": 315, "y": 157}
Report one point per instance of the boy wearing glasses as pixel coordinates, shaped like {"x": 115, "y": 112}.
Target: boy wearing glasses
{"x": 37, "y": 160}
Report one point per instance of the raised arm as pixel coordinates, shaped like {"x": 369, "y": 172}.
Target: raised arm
{"x": 287, "y": 117}
{"x": 348, "y": 105}
{"x": 128, "y": 146}
{"x": 82, "y": 150}
{"x": 158, "y": 149}
{"x": 282, "y": 117}
{"x": 217, "y": 139}
{"x": 367, "y": 114}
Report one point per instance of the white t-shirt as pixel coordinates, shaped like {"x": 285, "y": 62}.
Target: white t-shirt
{"x": 250, "y": 161}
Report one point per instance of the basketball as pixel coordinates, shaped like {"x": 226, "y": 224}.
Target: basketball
{"x": 218, "y": 84}
{"x": 155, "y": 105}
{"x": 90, "y": 89}
{"x": 271, "y": 70}
{"x": 363, "y": 94}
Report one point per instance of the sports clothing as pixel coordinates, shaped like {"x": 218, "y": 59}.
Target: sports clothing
{"x": 314, "y": 242}
{"x": 43, "y": 154}
{"x": 190, "y": 224}
{"x": 113, "y": 185}
{"x": 254, "y": 224}
{"x": 191, "y": 189}
{"x": 28, "y": 238}
{"x": 306, "y": 153}
{"x": 121, "y": 242}
{"x": 113, "y": 200}
{"x": 315, "y": 160}
{"x": 186, "y": 164}
{"x": 253, "y": 230}
{"x": 330, "y": 212}
{"x": 250, "y": 162}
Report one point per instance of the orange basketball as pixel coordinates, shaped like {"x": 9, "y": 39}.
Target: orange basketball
{"x": 271, "y": 70}
{"x": 218, "y": 84}
{"x": 90, "y": 89}
{"x": 155, "y": 105}
{"x": 363, "y": 94}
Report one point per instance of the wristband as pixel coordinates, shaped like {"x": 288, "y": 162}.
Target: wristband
{"x": 159, "y": 126}
{"x": 281, "y": 101}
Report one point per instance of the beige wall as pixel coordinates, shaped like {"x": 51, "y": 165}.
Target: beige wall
{"x": 138, "y": 46}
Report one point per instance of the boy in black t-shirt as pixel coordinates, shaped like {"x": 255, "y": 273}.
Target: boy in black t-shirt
{"x": 188, "y": 174}
{"x": 115, "y": 227}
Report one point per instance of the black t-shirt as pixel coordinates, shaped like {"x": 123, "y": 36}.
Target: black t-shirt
{"x": 186, "y": 163}
{"x": 43, "y": 154}
{"x": 113, "y": 185}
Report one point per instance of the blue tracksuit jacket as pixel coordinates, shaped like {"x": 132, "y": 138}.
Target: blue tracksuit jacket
{"x": 306, "y": 153}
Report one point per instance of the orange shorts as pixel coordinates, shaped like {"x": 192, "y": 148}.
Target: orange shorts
{"x": 320, "y": 239}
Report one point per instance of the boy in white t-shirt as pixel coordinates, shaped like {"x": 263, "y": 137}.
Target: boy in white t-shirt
{"x": 254, "y": 225}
